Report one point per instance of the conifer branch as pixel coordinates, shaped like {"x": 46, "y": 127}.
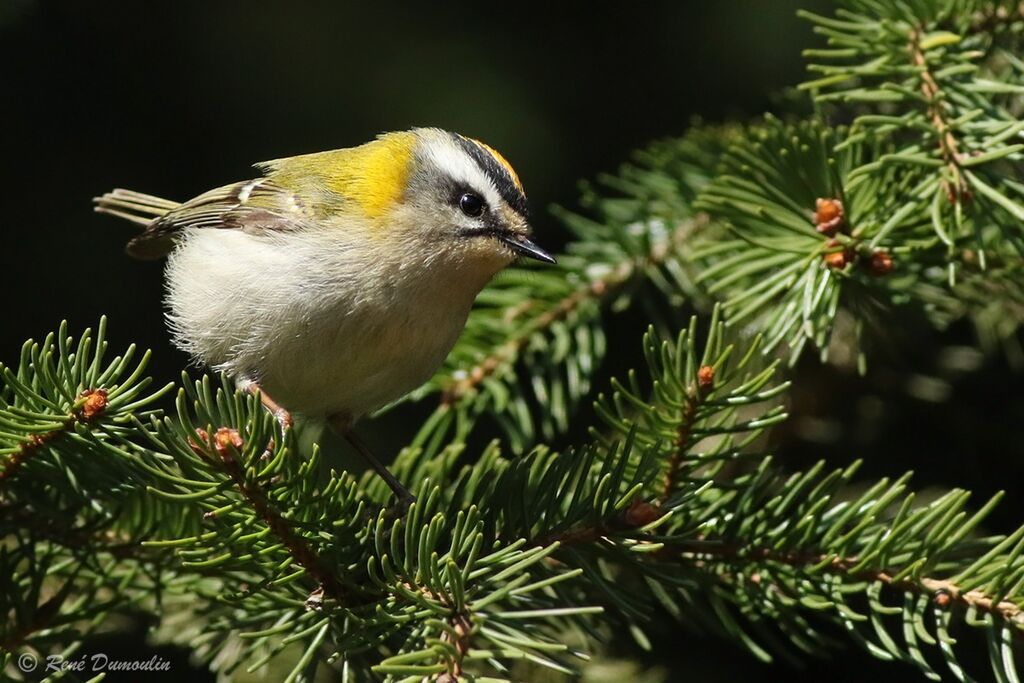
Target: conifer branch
{"x": 640, "y": 513}
{"x": 682, "y": 444}
{"x": 459, "y": 637}
{"x": 956, "y": 187}
{"x": 227, "y": 444}
{"x": 943, "y": 591}
{"x": 89, "y": 407}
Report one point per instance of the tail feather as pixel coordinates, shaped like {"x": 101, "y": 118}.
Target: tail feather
{"x": 136, "y": 207}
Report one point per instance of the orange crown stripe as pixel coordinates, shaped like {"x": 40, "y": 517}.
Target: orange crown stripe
{"x": 504, "y": 163}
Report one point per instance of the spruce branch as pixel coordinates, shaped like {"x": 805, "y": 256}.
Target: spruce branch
{"x": 70, "y": 537}
{"x": 227, "y": 444}
{"x": 955, "y": 92}
{"x": 944, "y": 592}
{"x": 841, "y": 549}
{"x": 786, "y": 550}
{"x": 89, "y": 406}
{"x": 236, "y": 467}
{"x": 956, "y": 186}
{"x": 789, "y": 553}
{"x": 60, "y": 396}
{"x": 695, "y": 399}
{"x": 268, "y": 571}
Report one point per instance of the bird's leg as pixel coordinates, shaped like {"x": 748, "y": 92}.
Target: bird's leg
{"x": 343, "y": 426}
{"x": 284, "y": 418}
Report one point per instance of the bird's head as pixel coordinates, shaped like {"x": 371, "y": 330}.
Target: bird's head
{"x": 428, "y": 196}
{"x": 470, "y": 199}
{"x": 424, "y": 197}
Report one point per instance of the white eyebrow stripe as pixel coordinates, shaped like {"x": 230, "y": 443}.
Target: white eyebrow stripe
{"x": 450, "y": 158}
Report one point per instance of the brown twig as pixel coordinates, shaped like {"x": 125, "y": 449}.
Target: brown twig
{"x": 682, "y": 440}
{"x": 228, "y": 443}
{"x": 694, "y": 394}
{"x": 956, "y": 189}
{"x": 598, "y": 290}
{"x": 640, "y": 513}
{"x": 463, "y": 627}
{"x": 575, "y": 536}
{"x": 943, "y": 590}
{"x": 89, "y": 407}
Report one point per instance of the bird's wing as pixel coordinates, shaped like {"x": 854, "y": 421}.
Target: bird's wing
{"x": 255, "y": 206}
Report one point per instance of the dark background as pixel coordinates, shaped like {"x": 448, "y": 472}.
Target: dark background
{"x": 176, "y": 98}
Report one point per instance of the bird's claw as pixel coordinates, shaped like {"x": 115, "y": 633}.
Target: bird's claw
{"x": 284, "y": 418}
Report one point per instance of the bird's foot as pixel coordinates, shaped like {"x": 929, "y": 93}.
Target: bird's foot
{"x": 283, "y": 417}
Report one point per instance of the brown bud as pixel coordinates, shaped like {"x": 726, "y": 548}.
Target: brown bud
{"x": 838, "y": 259}
{"x": 315, "y": 600}
{"x": 706, "y": 377}
{"x": 942, "y": 598}
{"x": 94, "y": 405}
{"x": 199, "y": 448}
{"x": 641, "y": 513}
{"x": 828, "y": 216}
{"x": 879, "y": 264}
{"x": 226, "y": 438}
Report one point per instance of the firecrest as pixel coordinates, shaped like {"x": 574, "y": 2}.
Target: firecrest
{"x": 338, "y": 281}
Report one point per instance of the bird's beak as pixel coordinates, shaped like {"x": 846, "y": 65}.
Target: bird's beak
{"x": 525, "y": 247}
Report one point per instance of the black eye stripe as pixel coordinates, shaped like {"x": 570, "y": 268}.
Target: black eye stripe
{"x": 497, "y": 173}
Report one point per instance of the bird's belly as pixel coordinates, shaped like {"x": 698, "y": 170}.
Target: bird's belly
{"x": 320, "y": 330}
{"x": 362, "y": 362}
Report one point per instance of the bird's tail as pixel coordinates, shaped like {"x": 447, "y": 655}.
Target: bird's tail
{"x": 136, "y": 207}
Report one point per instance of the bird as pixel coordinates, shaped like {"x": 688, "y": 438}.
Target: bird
{"x": 336, "y": 282}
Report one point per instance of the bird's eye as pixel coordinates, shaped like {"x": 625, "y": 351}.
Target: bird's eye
{"x": 471, "y": 205}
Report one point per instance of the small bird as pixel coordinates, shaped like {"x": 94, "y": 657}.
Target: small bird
{"x": 338, "y": 281}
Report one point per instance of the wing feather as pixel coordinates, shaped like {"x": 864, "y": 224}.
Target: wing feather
{"x": 255, "y": 206}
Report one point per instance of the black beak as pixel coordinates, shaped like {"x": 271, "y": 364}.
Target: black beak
{"x": 525, "y": 247}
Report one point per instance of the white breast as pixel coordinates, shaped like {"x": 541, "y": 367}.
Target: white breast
{"x": 323, "y": 327}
